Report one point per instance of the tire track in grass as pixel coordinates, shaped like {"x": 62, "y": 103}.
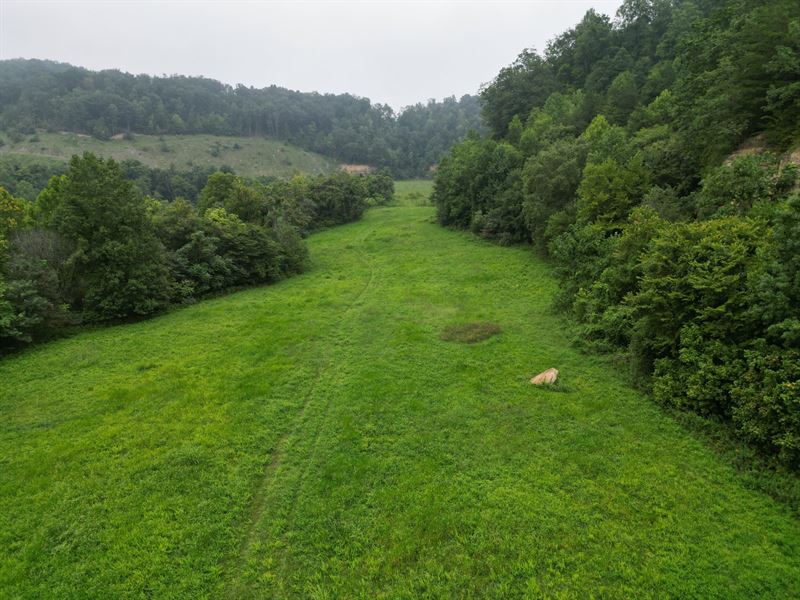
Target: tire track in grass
{"x": 260, "y": 501}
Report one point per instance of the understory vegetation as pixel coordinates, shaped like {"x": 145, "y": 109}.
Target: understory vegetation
{"x": 93, "y": 248}
{"x": 317, "y": 439}
{"x": 653, "y": 159}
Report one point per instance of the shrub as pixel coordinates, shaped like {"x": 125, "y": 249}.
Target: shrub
{"x": 767, "y": 402}
{"x": 691, "y": 310}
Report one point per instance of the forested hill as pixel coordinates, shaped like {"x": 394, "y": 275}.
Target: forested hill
{"x": 653, "y": 158}
{"x": 37, "y": 94}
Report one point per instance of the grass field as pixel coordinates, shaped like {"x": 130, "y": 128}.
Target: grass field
{"x": 319, "y": 438}
{"x": 250, "y": 157}
{"x": 412, "y": 192}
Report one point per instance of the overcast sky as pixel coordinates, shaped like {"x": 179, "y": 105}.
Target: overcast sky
{"x": 392, "y": 52}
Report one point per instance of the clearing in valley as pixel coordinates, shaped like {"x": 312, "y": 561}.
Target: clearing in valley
{"x": 318, "y": 439}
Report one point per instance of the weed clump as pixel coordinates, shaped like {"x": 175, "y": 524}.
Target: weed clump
{"x": 470, "y": 333}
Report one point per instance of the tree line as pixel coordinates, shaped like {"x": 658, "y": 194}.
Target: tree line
{"x": 56, "y": 96}
{"x": 646, "y": 156}
{"x": 92, "y": 248}
{"x": 26, "y": 178}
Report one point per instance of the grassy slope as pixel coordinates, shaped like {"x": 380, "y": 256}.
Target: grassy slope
{"x": 317, "y": 439}
{"x": 256, "y": 156}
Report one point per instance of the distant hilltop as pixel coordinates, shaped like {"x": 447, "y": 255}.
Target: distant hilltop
{"x": 45, "y": 95}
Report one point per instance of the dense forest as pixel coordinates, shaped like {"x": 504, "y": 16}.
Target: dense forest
{"x": 653, "y": 159}
{"x": 94, "y": 248}
{"x": 47, "y": 95}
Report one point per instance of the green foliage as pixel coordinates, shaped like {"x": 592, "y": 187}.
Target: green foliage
{"x": 621, "y": 98}
{"x": 732, "y": 65}
{"x": 515, "y": 91}
{"x": 670, "y": 253}
{"x": 339, "y": 198}
{"x": 775, "y": 281}
{"x": 380, "y": 188}
{"x": 766, "y": 400}
{"x": 25, "y": 177}
{"x": 218, "y": 189}
{"x": 783, "y": 95}
{"x": 13, "y": 213}
{"x": 735, "y": 188}
{"x": 40, "y": 278}
{"x": 582, "y": 253}
{"x": 561, "y": 117}
{"x": 601, "y": 305}
{"x": 551, "y": 179}
{"x": 691, "y": 308}
{"x": 479, "y": 186}
{"x": 608, "y": 191}
{"x": 117, "y": 259}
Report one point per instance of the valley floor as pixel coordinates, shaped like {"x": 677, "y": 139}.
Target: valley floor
{"x": 317, "y": 439}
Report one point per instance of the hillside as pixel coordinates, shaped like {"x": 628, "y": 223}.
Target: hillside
{"x": 248, "y": 156}
{"x": 37, "y": 94}
{"x": 320, "y": 438}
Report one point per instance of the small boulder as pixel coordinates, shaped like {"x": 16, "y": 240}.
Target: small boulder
{"x": 548, "y": 377}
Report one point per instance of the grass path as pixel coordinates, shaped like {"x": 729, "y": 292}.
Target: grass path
{"x": 317, "y": 439}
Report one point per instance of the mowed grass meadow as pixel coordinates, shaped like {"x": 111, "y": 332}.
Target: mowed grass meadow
{"x": 319, "y": 438}
{"x": 248, "y": 156}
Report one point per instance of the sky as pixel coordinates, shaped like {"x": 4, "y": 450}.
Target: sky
{"x": 396, "y": 53}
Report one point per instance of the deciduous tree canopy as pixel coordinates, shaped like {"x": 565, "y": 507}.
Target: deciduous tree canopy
{"x": 615, "y": 153}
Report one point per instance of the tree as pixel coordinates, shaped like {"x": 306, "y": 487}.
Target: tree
{"x": 118, "y": 260}
{"x": 551, "y": 179}
{"x": 608, "y": 190}
{"x": 516, "y": 90}
{"x": 621, "y": 98}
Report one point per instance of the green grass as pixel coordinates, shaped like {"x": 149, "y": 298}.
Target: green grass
{"x": 253, "y": 157}
{"x": 317, "y": 439}
{"x": 412, "y": 192}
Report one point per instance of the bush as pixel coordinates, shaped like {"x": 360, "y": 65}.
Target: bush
{"x": 336, "y": 199}
{"x": 735, "y": 188}
{"x": 479, "y": 185}
{"x": 691, "y": 313}
{"x": 767, "y": 402}
{"x": 380, "y": 186}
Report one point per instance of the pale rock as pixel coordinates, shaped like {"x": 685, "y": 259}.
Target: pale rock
{"x": 548, "y": 377}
